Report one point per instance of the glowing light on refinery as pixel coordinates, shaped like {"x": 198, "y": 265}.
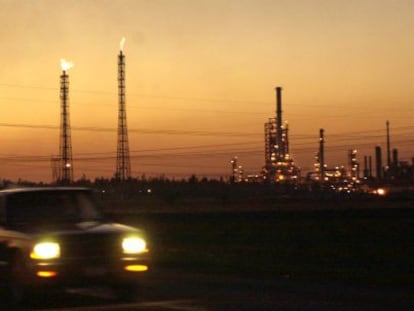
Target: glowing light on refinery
{"x": 122, "y": 44}
{"x": 66, "y": 65}
{"x": 381, "y": 191}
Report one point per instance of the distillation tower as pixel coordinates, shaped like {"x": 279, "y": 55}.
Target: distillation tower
{"x": 320, "y": 166}
{"x": 123, "y": 163}
{"x": 65, "y": 175}
{"x": 279, "y": 165}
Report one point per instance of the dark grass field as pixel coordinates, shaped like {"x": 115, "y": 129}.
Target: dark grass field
{"x": 368, "y": 245}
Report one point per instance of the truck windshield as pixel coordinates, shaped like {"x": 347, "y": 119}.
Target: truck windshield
{"x": 34, "y": 207}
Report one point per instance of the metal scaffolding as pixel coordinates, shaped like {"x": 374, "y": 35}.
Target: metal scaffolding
{"x": 65, "y": 148}
{"x": 123, "y": 163}
{"x": 279, "y": 165}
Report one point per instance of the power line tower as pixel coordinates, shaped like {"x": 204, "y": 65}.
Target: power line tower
{"x": 55, "y": 163}
{"x": 65, "y": 147}
{"x": 123, "y": 163}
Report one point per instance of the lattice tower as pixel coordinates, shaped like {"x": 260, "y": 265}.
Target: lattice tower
{"x": 123, "y": 163}
{"x": 65, "y": 148}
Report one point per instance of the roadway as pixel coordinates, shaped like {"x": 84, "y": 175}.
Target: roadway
{"x": 192, "y": 291}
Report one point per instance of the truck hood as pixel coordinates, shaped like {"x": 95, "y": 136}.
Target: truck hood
{"x": 89, "y": 227}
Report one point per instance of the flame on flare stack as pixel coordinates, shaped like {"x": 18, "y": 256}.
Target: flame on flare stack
{"x": 66, "y": 65}
{"x": 122, "y": 44}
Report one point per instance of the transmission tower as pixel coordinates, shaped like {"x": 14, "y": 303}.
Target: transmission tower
{"x": 123, "y": 163}
{"x": 65, "y": 148}
{"x": 55, "y": 163}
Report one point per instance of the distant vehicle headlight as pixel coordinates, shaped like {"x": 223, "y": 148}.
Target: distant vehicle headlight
{"x": 134, "y": 245}
{"x": 45, "y": 250}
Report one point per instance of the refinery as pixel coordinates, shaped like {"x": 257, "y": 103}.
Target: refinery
{"x": 278, "y": 167}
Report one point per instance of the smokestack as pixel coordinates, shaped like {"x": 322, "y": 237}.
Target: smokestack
{"x": 395, "y": 158}
{"x": 279, "y": 118}
{"x": 370, "y": 166}
{"x": 378, "y": 160}
{"x": 366, "y": 172}
{"x": 279, "y": 106}
{"x": 388, "y": 145}
{"x": 279, "y": 128}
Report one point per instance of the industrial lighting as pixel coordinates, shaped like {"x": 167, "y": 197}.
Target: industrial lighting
{"x": 381, "y": 191}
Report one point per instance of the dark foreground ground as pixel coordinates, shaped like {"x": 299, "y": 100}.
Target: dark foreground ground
{"x": 356, "y": 245}
{"x": 169, "y": 289}
{"x": 328, "y": 258}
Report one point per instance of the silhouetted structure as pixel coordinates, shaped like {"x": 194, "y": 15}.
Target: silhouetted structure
{"x": 388, "y": 145}
{"x": 237, "y": 173}
{"x": 337, "y": 178}
{"x": 270, "y": 142}
{"x": 378, "y": 162}
{"x": 320, "y": 166}
{"x": 353, "y": 165}
{"x": 370, "y": 166}
{"x": 395, "y": 157}
{"x": 367, "y": 167}
{"x": 66, "y": 164}
{"x": 123, "y": 164}
{"x": 279, "y": 166}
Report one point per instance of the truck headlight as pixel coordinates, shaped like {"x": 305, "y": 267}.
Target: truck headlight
{"x": 45, "y": 250}
{"x": 134, "y": 245}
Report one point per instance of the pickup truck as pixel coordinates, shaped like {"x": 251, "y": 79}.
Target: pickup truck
{"x": 57, "y": 237}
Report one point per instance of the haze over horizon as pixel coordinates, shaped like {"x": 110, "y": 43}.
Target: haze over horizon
{"x": 200, "y": 78}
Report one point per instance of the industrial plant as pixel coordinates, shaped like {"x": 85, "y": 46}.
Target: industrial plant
{"x": 355, "y": 177}
{"x": 279, "y": 165}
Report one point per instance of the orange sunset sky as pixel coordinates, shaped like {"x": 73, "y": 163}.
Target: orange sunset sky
{"x": 200, "y": 82}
